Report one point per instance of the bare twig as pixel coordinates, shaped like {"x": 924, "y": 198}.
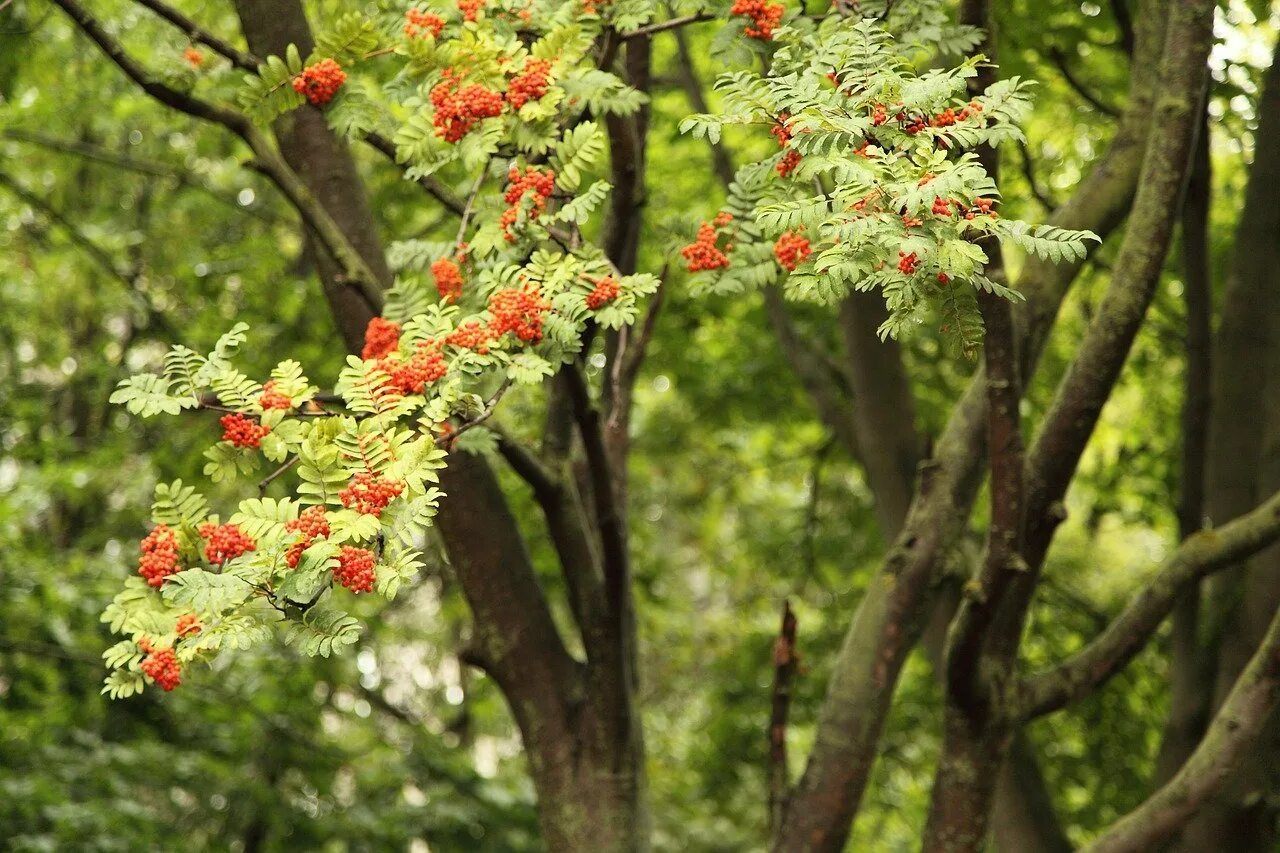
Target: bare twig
{"x": 785, "y": 665}
{"x": 241, "y": 59}
{"x": 270, "y": 478}
{"x": 663, "y": 26}
{"x": 1059, "y": 60}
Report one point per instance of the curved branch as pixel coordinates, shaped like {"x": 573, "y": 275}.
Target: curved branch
{"x": 1233, "y": 730}
{"x": 269, "y": 161}
{"x": 1198, "y": 557}
{"x": 240, "y": 59}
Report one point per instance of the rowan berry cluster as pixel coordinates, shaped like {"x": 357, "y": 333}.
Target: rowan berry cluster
{"x": 355, "y": 569}
{"x": 369, "y": 493}
{"x": 907, "y": 262}
{"x": 224, "y": 542}
{"x": 380, "y": 338}
{"x": 765, "y": 17}
{"x": 312, "y": 525}
{"x": 159, "y": 557}
{"x": 781, "y": 131}
{"x": 188, "y": 625}
{"x": 519, "y": 310}
{"x": 320, "y": 82}
{"x": 470, "y": 336}
{"x": 425, "y": 366}
{"x": 941, "y": 207}
{"x": 273, "y": 399}
{"x": 790, "y": 249}
{"x": 470, "y": 8}
{"x": 703, "y": 253}
{"x": 242, "y": 431}
{"x": 790, "y": 160}
{"x": 539, "y": 184}
{"x": 448, "y": 279}
{"x": 605, "y": 291}
{"x": 161, "y": 665}
{"x": 459, "y": 108}
{"x": 422, "y": 24}
{"x": 530, "y": 84}
{"x": 193, "y": 57}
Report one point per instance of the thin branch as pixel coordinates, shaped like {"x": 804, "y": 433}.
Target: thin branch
{"x": 432, "y": 185}
{"x": 1124, "y": 22}
{"x": 241, "y": 59}
{"x": 1059, "y": 60}
{"x": 490, "y": 405}
{"x": 270, "y": 478}
{"x": 1233, "y": 731}
{"x": 663, "y": 26}
{"x": 1198, "y": 557}
{"x": 1029, "y": 172}
{"x": 526, "y": 464}
{"x": 330, "y": 235}
{"x": 785, "y": 665}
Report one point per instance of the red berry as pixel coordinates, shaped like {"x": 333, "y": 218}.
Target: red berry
{"x": 788, "y": 163}
{"x": 273, "y": 399}
{"x": 520, "y": 311}
{"x": 422, "y": 24}
{"x": 193, "y": 57}
{"x": 225, "y": 542}
{"x": 159, "y": 557}
{"x": 448, "y": 279}
{"x": 369, "y": 494}
{"x": 606, "y": 290}
{"x": 907, "y": 263}
{"x": 790, "y": 250}
{"x": 470, "y": 336}
{"x": 320, "y": 82}
{"x": 188, "y": 625}
{"x": 242, "y": 431}
{"x": 380, "y": 338}
{"x": 313, "y": 525}
{"x": 530, "y": 84}
{"x": 470, "y": 8}
{"x": 162, "y": 667}
{"x": 765, "y": 17}
{"x": 355, "y": 569}
{"x": 702, "y": 253}
{"x": 459, "y": 109}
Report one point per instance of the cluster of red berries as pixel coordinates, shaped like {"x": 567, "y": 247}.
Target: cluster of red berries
{"x": 539, "y": 184}
{"x": 369, "y": 494}
{"x": 312, "y": 525}
{"x": 188, "y": 625}
{"x": 320, "y": 82}
{"x": 790, "y": 249}
{"x": 425, "y": 366}
{"x": 159, "y": 557}
{"x": 459, "y": 108}
{"x": 355, "y": 569}
{"x": 788, "y": 163}
{"x": 765, "y": 17}
{"x": 448, "y": 279}
{"x": 470, "y": 336}
{"x": 242, "y": 431}
{"x": 422, "y": 24}
{"x": 380, "y": 338}
{"x": 519, "y": 310}
{"x": 907, "y": 262}
{"x": 273, "y": 399}
{"x": 470, "y": 8}
{"x": 791, "y": 158}
{"x": 703, "y": 253}
{"x": 941, "y": 207}
{"x": 193, "y": 57}
{"x": 530, "y": 84}
{"x": 161, "y": 665}
{"x": 225, "y": 542}
{"x": 605, "y": 291}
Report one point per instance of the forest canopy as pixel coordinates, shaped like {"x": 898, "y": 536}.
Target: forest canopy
{"x": 608, "y": 425}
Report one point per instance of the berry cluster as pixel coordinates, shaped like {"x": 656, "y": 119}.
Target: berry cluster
{"x": 459, "y": 108}
{"x": 907, "y": 263}
{"x": 422, "y": 24}
{"x": 702, "y": 253}
{"x": 242, "y": 431}
{"x": 369, "y": 494}
{"x": 320, "y": 82}
{"x": 188, "y": 625}
{"x": 425, "y": 366}
{"x": 530, "y": 84}
{"x": 537, "y": 183}
{"x": 470, "y": 8}
{"x": 355, "y": 569}
{"x": 448, "y": 279}
{"x": 313, "y": 525}
{"x": 781, "y": 131}
{"x": 605, "y": 291}
{"x": 159, "y": 557}
{"x": 273, "y": 399}
{"x": 790, "y": 250}
{"x": 225, "y": 542}
{"x": 941, "y": 207}
{"x": 765, "y": 17}
{"x": 470, "y": 336}
{"x": 193, "y": 57}
{"x": 380, "y": 338}
{"x": 788, "y": 163}
{"x": 520, "y": 311}
{"x": 161, "y": 665}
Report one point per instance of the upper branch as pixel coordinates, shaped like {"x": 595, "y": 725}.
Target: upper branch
{"x": 239, "y": 58}
{"x": 269, "y": 161}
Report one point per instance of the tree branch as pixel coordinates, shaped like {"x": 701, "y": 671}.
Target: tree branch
{"x": 241, "y": 59}
{"x": 785, "y": 666}
{"x": 1233, "y": 730}
{"x": 1198, "y": 557}
{"x": 663, "y": 26}
{"x": 1059, "y": 60}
